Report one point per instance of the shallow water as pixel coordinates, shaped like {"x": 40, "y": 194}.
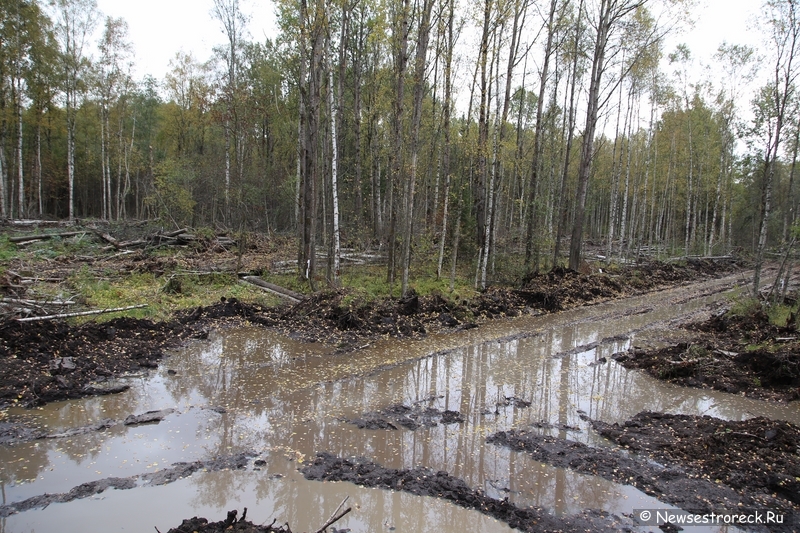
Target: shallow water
{"x": 287, "y": 401}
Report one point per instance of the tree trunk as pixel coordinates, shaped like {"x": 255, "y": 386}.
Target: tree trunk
{"x": 419, "y": 86}
{"x": 562, "y": 201}
{"x": 587, "y": 148}
{"x": 400, "y": 41}
{"x": 333, "y": 110}
{"x": 537, "y": 137}
{"x": 314, "y": 32}
{"x": 446, "y": 127}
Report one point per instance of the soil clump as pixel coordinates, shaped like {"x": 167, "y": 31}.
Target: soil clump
{"x": 399, "y": 415}
{"x": 758, "y": 457}
{"x": 740, "y": 354}
{"x": 425, "y": 482}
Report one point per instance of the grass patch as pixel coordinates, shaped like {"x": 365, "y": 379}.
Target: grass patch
{"x": 744, "y": 306}
{"x": 8, "y": 250}
{"x": 780, "y": 315}
{"x": 194, "y": 290}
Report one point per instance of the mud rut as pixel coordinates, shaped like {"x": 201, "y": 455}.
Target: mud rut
{"x": 679, "y": 482}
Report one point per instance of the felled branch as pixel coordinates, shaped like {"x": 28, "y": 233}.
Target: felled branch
{"x": 335, "y": 517}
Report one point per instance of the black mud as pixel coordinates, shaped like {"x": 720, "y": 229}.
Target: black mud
{"x": 425, "y": 482}
{"x": 16, "y": 429}
{"x": 233, "y": 522}
{"x": 161, "y": 477}
{"x": 700, "y": 464}
{"x": 739, "y": 354}
{"x": 399, "y": 415}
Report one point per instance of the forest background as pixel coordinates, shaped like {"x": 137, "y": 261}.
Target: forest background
{"x": 498, "y": 135}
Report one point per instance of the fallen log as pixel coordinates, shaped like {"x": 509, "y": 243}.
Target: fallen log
{"x": 108, "y": 238}
{"x": 43, "y": 303}
{"x": 275, "y": 289}
{"x": 43, "y": 236}
{"x": 80, "y": 313}
{"x": 27, "y": 222}
{"x": 174, "y": 233}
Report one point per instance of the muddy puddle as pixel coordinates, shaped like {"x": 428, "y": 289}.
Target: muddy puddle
{"x": 250, "y": 390}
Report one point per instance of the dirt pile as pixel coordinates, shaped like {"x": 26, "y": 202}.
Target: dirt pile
{"x": 424, "y": 482}
{"x": 165, "y": 476}
{"x": 49, "y": 361}
{"x": 741, "y": 354}
{"x": 562, "y": 288}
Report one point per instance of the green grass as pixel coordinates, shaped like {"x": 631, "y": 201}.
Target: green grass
{"x": 95, "y": 286}
{"x": 8, "y": 250}
{"x": 742, "y": 305}
{"x": 780, "y": 314}
{"x": 100, "y": 293}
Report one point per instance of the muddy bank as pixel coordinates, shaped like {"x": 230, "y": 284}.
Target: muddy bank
{"x": 42, "y": 362}
{"x": 425, "y": 482}
{"x": 740, "y": 354}
{"x": 49, "y": 361}
{"x": 700, "y": 464}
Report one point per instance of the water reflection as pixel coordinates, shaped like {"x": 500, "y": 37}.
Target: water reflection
{"x": 248, "y": 389}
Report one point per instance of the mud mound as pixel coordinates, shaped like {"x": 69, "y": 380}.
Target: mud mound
{"x": 758, "y": 457}
{"x": 562, "y": 288}
{"x": 49, "y": 361}
{"x": 672, "y": 484}
{"x": 424, "y": 482}
{"x": 753, "y": 326}
{"x": 700, "y": 464}
{"x": 412, "y": 418}
{"x": 741, "y": 354}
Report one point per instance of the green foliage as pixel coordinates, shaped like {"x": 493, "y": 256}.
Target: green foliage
{"x": 173, "y": 198}
{"x": 697, "y": 351}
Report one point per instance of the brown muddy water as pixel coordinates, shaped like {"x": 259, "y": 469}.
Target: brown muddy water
{"x": 253, "y": 390}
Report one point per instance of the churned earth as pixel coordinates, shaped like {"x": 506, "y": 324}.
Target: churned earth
{"x": 674, "y": 457}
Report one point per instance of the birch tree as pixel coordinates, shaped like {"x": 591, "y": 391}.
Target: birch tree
{"x": 233, "y": 21}
{"x": 772, "y": 105}
{"x": 74, "y": 24}
{"x": 608, "y": 22}
{"x": 423, "y": 35}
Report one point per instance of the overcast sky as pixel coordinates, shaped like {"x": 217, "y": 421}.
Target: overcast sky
{"x": 160, "y": 28}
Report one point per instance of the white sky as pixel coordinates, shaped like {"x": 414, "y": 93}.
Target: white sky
{"x": 160, "y": 28}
